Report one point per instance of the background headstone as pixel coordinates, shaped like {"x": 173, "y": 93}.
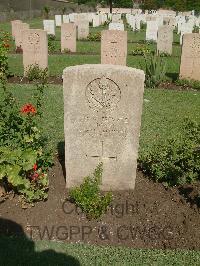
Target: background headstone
{"x": 58, "y": 20}
{"x": 113, "y": 47}
{"x": 14, "y": 27}
{"x": 68, "y": 37}
{"x": 49, "y": 26}
{"x": 83, "y": 29}
{"x": 65, "y": 18}
{"x": 35, "y": 48}
{"x": 20, "y": 28}
{"x": 116, "y": 26}
{"x": 165, "y": 39}
{"x": 190, "y": 58}
{"x": 102, "y": 117}
{"x": 151, "y": 31}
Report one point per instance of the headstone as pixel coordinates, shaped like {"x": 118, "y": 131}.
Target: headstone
{"x": 102, "y": 118}
{"x": 185, "y": 28}
{"x": 116, "y": 26}
{"x": 14, "y": 27}
{"x": 137, "y": 23}
{"x": 20, "y": 28}
{"x": 96, "y": 21}
{"x": 65, "y": 18}
{"x": 113, "y": 47}
{"x": 83, "y": 29}
{"x": 72, "y": 17}
{"x": 190, "y": 58}
{"x": 49, "y": 26}
{"x": 68, "y": 37}
{"x": 151, "y": 31}
{"x": 116, "y": 18}
{"x": 35, "y": 48}
{"x": 165, "y": 39}
{"x": 58, "y": 19}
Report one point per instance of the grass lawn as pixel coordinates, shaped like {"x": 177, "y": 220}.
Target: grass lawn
{"x": 163, "y": 112}
{"x": 163, "y": 115}
{"x": 25, "y": 252}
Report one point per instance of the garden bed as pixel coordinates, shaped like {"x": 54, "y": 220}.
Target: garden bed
{"x": 151, "y": 216}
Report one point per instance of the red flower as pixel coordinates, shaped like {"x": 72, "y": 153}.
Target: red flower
{"x": 34, "y": 177}
{"x": 35, "y": 167}
{"x": 28, "y": 109}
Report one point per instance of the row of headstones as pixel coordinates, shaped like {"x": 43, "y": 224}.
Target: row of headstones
{"x": 184, "y": 24}
{"x": 34, "y": 43}
{"x": 82, "y": 22}
{"x": 113, "y": 47}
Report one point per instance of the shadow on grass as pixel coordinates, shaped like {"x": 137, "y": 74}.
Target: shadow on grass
{"x": 17, "y": 249}
{"x": 173, "y": 76}
{"x": 61, "y": 156}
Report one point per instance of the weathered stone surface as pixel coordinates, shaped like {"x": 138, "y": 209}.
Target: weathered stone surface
{"x": 113, "y": 47}
{"x": 14, "y": 28}
{"x": 58, "y": 19}
{"x": 20, "y": 28}
{"x": 49, "y": 26}
{"x": 116, "y": 26}
{"x": 165, "y": 39}
{"x": 102, "y": 116}
{"x": 83, "y": 29}
{"x": 35, "y": 49}
{"x": 68, "y": 37}
{"x": 190, "y": 58}
{"x": 65, "y": 18}
{"x": 116, "y": 18}
{"x": 151, "y": 31}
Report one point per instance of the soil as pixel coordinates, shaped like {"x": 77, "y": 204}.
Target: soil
{"x": 176, "y": 87}
{"x": 151, "y": 216}
{"x": 58, "y": 81}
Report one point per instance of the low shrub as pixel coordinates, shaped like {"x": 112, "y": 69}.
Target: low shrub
{"x": 88, "y": 196}
{"x": 51, "y": 43}
{"x": 24, "y": 157}
{"x": 34, "y": 73}
{"x": 155, "y": 71}
{"x": 195, "y": 84}
{"x": 4, "y": 48}
{"x": 175, "y": 161}
{"x": 141, "y": 50}
{"x": 94, "y": 36}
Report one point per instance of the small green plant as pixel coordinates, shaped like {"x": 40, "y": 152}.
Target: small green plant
{"x": 164, "y": 54}
{"x": 34, "y": 73}
{"x": 88, "y": 196}
{"x": 195, "y": 29}
{"x": 66, "y": 51}
{"x": 155, "y": 71}
{"x": 194, "y": 84}
{"x": 175, "y": 161}
{"x": 51, "y": 43}
{"x": 94, "y": 36}
{"x": 46, "y": 11}
{"x": 141, "y": 50}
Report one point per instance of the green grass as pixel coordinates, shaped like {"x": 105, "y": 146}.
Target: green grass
{"x": 25, "y": 252}
{"x": 163, "y": 112}
{"x": 58, "y": 62}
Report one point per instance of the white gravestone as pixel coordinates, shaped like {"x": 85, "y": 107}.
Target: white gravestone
{"x": 102, "y": 117}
